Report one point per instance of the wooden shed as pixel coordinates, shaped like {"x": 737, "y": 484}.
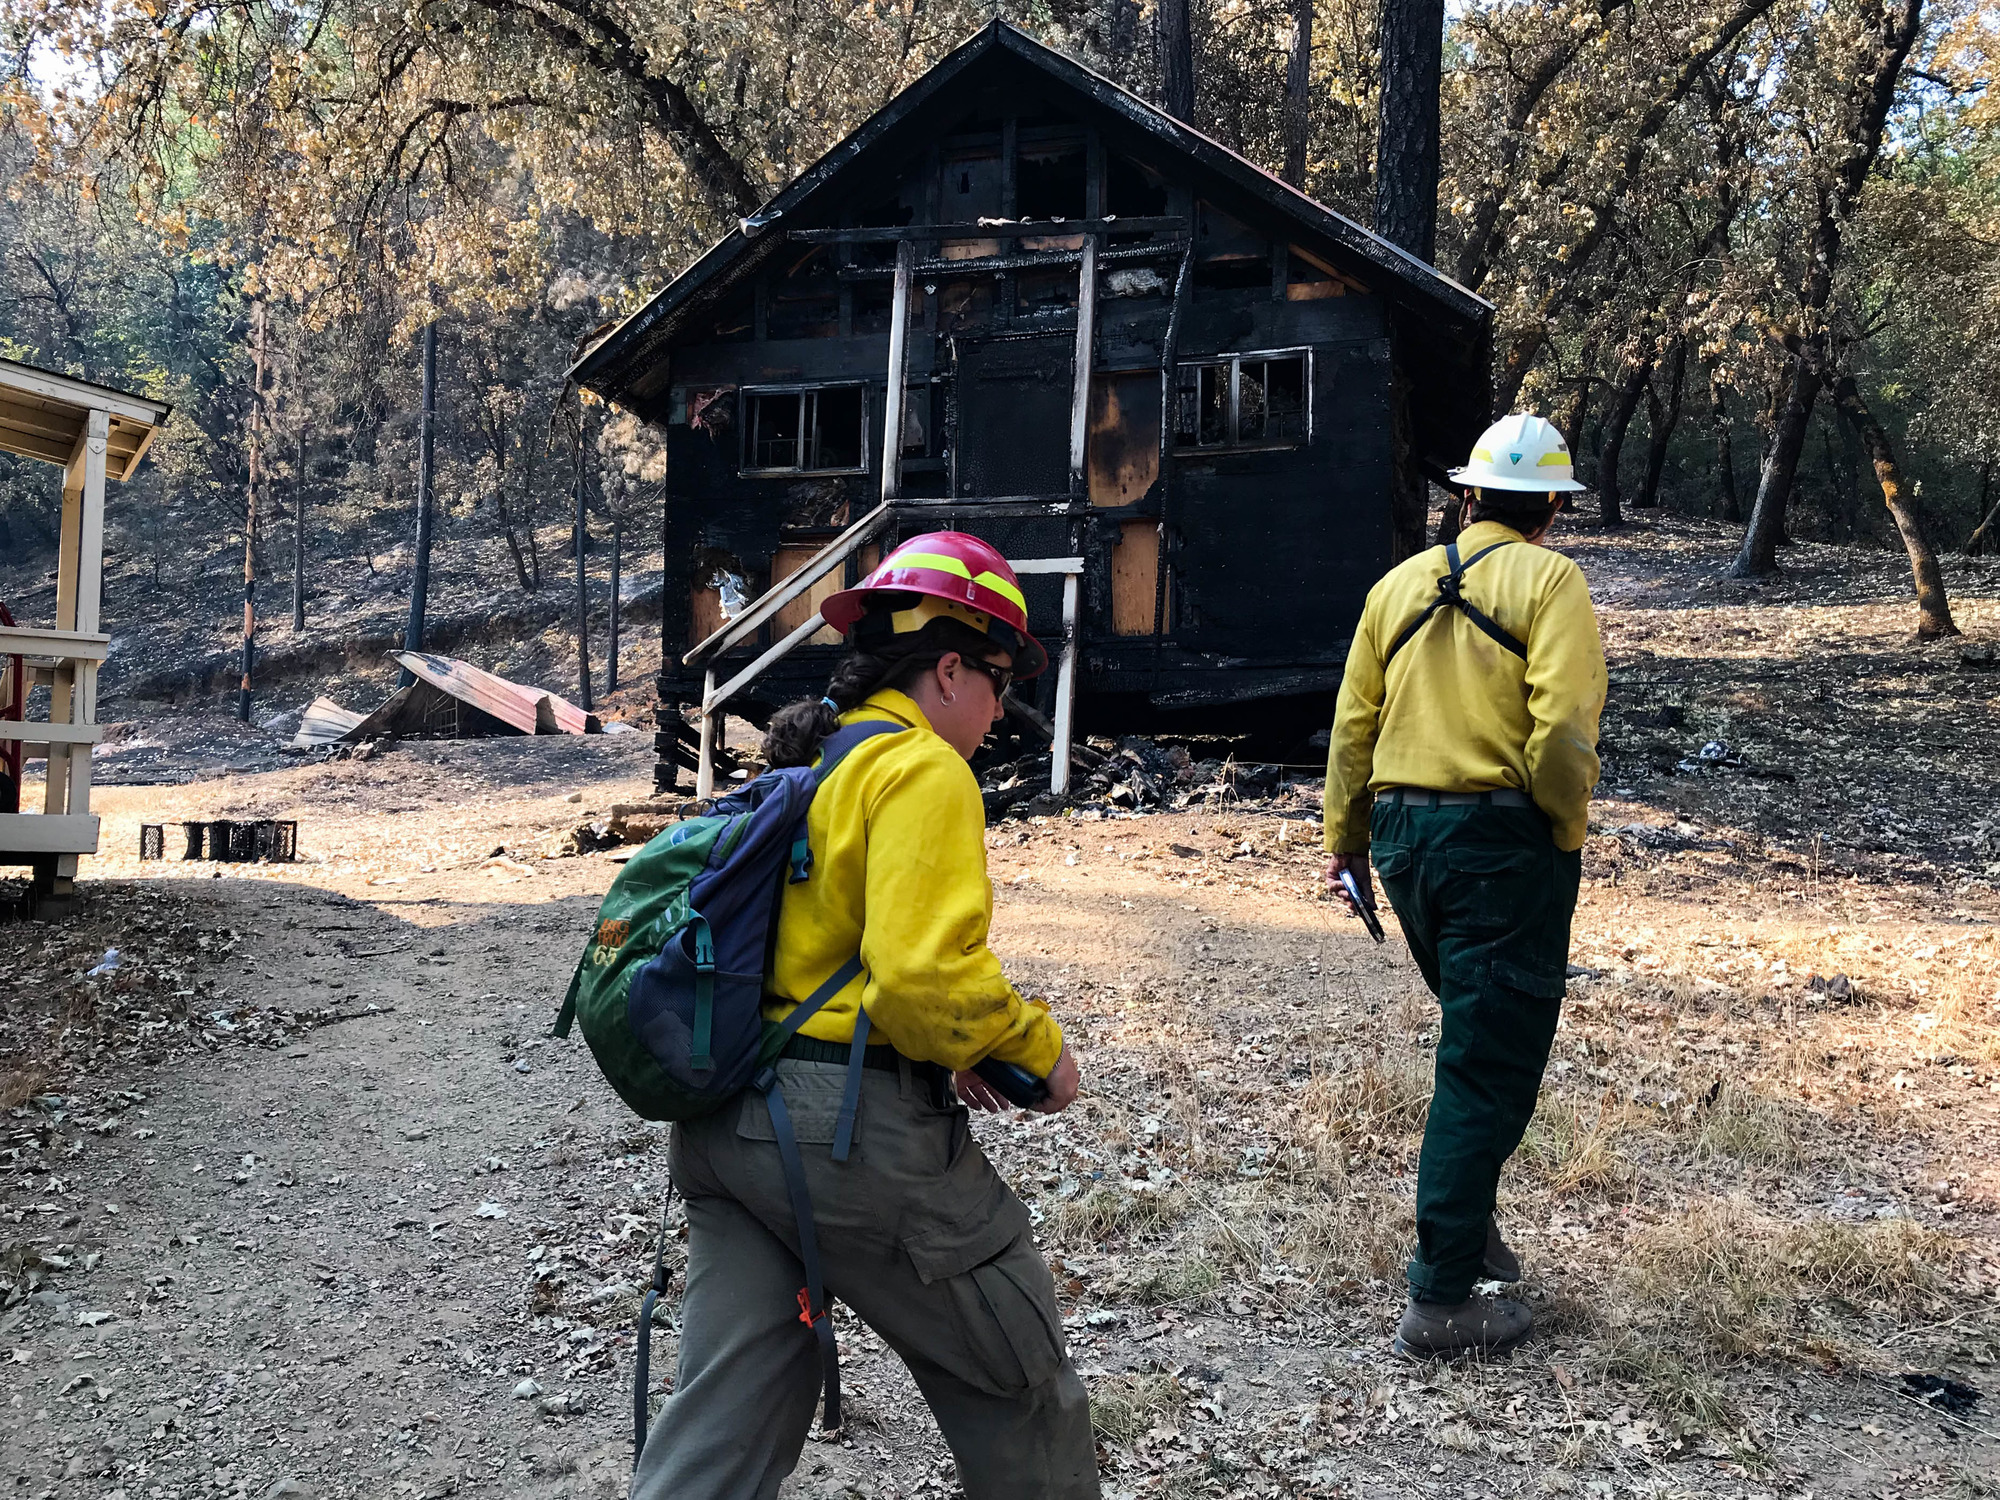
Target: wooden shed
{"x": 93, "y": 433}
{"x": 1020, "y": 301}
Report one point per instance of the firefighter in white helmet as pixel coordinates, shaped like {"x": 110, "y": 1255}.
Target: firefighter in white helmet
{"x": 1463, "y": 754}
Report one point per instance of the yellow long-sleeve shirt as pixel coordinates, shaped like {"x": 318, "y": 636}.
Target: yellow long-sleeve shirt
{"x": 898, "y": 838}
{"x": 1458, "y": 712}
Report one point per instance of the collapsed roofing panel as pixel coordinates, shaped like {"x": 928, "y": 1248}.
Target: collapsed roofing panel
{"x": 450, "y": 699}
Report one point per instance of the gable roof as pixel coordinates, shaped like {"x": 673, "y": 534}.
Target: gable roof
{"x": 611, "y": 366}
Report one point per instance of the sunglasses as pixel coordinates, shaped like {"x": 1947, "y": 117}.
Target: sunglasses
{"x": 1002, "y": 678}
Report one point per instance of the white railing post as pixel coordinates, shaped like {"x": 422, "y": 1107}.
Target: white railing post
{"x": 1065, "y": 692}
{"x": 704, "y": 776}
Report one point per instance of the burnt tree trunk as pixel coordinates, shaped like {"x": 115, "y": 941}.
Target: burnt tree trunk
{"x": 1662, "y": 421}
{"x": 1624, "y": 403}
{"x": 1933, "y": 608}
{"x": 1406, "y": 157}
{"x": 1982, "y": 537}
{"x": 1298, "y": 92}
{"x": 1774, "y": 482}
{"x": 1124, "y": 28}
{"x": 1896, "y": 26}
{"x": 1176, "y": 42}
{"x": 1725, "y": 457}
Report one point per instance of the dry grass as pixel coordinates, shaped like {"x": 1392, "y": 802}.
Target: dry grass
{"x": 1346, "y": 1233}
{"x": 1745, "y": 1126}
{"x": 1572, "y": 1152}
{"x": 1179, "y": 1276}
{"x": 1124, "y": 1408}
{"x": 19, "y": 1085}
{"x": 1105, "y": 1214}
{"x": 1384, "y": 1100}
{"x": 1724, "y": 1282}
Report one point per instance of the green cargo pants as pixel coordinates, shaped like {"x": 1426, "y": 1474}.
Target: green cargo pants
{"x": 1485, "y": 899}
{"x": 920, "y": 1237}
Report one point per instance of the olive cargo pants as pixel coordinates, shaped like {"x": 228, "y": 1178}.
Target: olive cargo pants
{"x": 1485, "y": 899}
{"x": 920, "y": 1237}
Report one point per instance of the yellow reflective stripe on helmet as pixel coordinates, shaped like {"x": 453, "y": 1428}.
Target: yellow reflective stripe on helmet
{"x": 1004, "y": 589}
{"x": 1553, "y": 461}
{"x": 1480, "y": 455}
{"x": 939, "y": 562}
{"x": 936, "y": 561}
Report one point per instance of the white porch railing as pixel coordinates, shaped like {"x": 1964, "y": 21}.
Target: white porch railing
{"x": 836, "y": 552}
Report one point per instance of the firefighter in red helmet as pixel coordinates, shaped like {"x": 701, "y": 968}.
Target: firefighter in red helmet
{"x": 916, "y": 1232}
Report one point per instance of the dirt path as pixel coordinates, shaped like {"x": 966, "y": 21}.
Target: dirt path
{"x": 301, "y": 1194}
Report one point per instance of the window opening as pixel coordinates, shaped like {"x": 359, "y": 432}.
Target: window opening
{"x": 1132, "y": 191}
{"x": 1244, "y": 401}
{"x": 1049, "y": 181}
{"x": 818, "y": 430}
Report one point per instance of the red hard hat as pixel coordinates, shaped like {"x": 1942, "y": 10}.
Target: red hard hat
{"x": 965, "y": 573}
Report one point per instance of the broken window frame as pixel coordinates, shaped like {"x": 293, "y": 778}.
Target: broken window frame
{"x": 808, "y": 434}
{"x": 1188, "y": 376}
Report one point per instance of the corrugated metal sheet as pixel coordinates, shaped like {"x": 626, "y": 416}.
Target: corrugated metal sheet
{"x": 323, "y": 723}
{"x": 530, "y": 710}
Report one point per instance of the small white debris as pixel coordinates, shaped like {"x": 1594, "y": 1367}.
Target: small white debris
{"x": 527, "y": 1390}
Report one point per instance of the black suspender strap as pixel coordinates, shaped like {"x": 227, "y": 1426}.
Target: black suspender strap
{"x": 1450, "y": 592}
{"x": 643, "y": 1364}
{"x": 813, "y": 1311}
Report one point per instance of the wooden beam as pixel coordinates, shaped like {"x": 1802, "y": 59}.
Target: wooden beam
{"x": 34, "y": 732}
{"x": 1046, "y": 565}
{"x": 1086, "y": 345}
{"x": 45, "y": 833}
{"x": 90, "y": 548}
{"x": 1003, "y": 229}
{"x": 81, "y": 395}
{"x": 899, "y": 342}
{"x": 1026, "y": 260}
{"x": 24, "y": 640}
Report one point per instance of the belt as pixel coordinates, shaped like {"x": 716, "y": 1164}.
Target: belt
{"x": 1411, "y": 796}
{"x": 812, "y": 1049}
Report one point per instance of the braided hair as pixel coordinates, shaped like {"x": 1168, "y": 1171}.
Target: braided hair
{"x": 895, "y": 661}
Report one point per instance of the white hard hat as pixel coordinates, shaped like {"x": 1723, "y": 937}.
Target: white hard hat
{"x": 1519, "y": 452}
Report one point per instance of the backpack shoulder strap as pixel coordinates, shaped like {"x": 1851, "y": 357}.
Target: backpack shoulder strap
{"x": 835, "y": 747}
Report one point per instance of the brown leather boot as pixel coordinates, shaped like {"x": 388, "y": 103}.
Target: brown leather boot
{"x": 1478, "y": 1325}
{"x": 1498, "y": 1262}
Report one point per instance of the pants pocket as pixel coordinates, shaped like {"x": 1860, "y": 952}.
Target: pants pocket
{"x": 999, "y": 1296}
{"x": 1006, "y": 1310}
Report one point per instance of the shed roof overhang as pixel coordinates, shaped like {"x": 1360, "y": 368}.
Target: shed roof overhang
{"x": 43, "y": 415}
{"x": 1449, "y": 372}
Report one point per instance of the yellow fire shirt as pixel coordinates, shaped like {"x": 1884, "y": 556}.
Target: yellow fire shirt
{"x": 898, "y": 838}
{"x": 1458, "y": 712}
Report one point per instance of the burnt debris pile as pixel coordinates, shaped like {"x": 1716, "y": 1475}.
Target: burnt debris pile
{"x": 1135, "y": 774}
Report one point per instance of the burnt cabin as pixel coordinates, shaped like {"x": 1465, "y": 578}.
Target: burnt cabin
{"x": 1023, "y": 303}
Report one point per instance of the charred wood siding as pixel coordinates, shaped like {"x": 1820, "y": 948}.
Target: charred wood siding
{"x": 1233, "y": 499}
